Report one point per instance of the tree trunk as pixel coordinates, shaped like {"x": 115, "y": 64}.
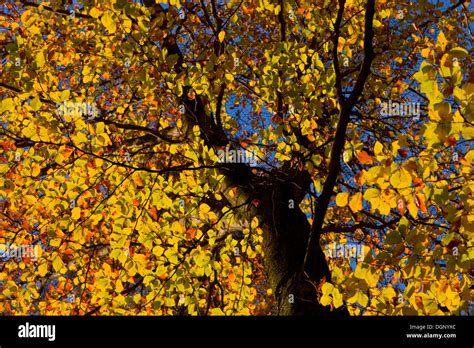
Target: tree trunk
{"x": 285, "y": 241}
{"x": 285, "y": 237}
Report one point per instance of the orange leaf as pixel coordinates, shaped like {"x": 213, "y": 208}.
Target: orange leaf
{"x": 401, "y": 207}
{"x": 231, "y": 277}
{"x": 421, "y": 202}
{"x": 418, "y": 182}
{"x": 451, "y": 140}
{"x": 246, "y": 10}
{"x": 25, "y": 225}
{"x": 419, "y": 302}
{"x": 364, "y": 158}
{"x": 153, "y": 213}
{"x": 191, "y": 232}
{"x": 359, "y": 178}
{"x": 138, "y": 181}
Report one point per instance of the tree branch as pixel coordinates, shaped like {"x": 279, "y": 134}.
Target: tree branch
{"x": 309, "y": 265}
{"x": 335, "y": 43}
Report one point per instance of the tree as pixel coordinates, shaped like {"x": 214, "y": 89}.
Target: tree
{"x": 238, "y": 157}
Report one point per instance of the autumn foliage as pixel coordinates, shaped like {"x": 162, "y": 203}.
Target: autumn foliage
{"x": 112, "y": 116}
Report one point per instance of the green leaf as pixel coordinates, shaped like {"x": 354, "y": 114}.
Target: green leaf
{"x": 393, "y": 237}
{"x": 458, "y": 52}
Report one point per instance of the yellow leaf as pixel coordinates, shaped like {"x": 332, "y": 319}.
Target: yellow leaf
{"x": 412, "y": 208}
{"x": 340, "y": 44}
{"x": 63, "y": 154}
{"x": 35, "y": 169}
{"x": 327, "y": 288}
{"x": 25, "y": 15}
{"x": 372, "y": 278}
{"x": 342, "y": 198}
{"x": 373, "y": 196}
{"x": 80, "y": 137}
{"x": 29, "y": 131}
{"x": 88, "y": 74}
{"x": 64, "y": 96}
{"x": 425, "y": 52}
{"x": 378, "y": 149}
{"x": 254, "y": 223}
{"x": 229, "y": 77}
{"x": 325, "y": 300}
{"x": 178, "y": 227}
{"x": 216, "y": 311}
{"x": 76, "y": 213}
{"x": 39, "y": 59}
{"x": 6, "y": 105}
{"x": 95, "y": 12}
{"x": 4, "y": 167}
{"x": 377, "y": 24}
{"x": 158, "y": 250}
{"x": 108, "y": 22}
{"x": 119, "y": 286}
{"x": 442, "y": 40}
{"x": 337, "y": 296}
{"x": 360, "y": 271}
{"x": 36, "y": 104}
{"x": 43, "y": 269}
{"x": 103, "y": 140}
{"x": 356, "y": 202}
{"x": 166, "y": 201}
{"x": 362, "y": 299}
{"x": 204, "y": 209}
{"x": 400, "y": 179}
{"x": 221, "y": 35}
{"x": 57, "y": 263}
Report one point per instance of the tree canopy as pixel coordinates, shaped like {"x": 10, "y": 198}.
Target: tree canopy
{"x": 127, "y": 130}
